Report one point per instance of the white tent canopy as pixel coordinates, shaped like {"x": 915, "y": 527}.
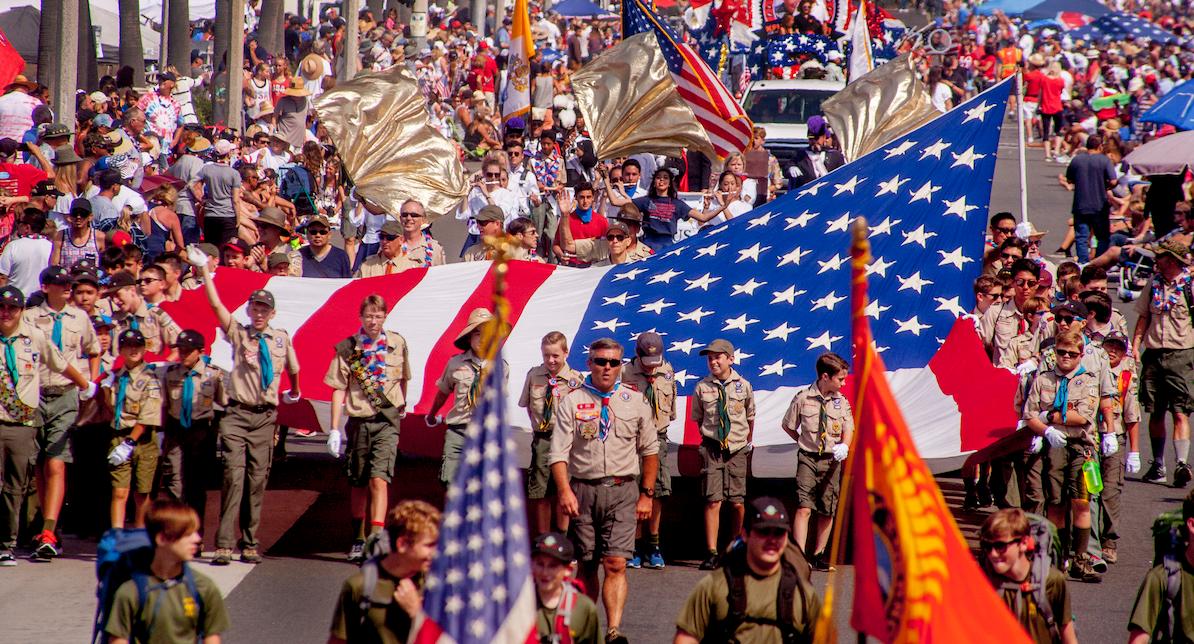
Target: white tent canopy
{"x": 108, "y": 20}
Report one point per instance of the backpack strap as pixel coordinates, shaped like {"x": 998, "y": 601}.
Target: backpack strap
{"x": 188, "y": 578}
{"x": 789, "y": 585}
{"x": 369, "y": 572}
{"x": 1169, "y": 621}
{"x": 563, "y": 621}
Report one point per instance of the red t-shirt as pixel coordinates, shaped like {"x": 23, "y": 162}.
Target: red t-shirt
{"x": 596, "y": 227}
{"x": 1051, "y": 88}
{"x": 18, "y": 179}
{"x": 1032, "y": 85}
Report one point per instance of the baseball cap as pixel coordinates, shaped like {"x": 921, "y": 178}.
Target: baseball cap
{"x": 47, "y": 188}
{"x": 190, "y": 340}
{"x": 618, "y": 226}
{"x": 555, "y": 545}
{"x": 122, "y": 279}
{"x": 55, "y": 275}
{"x": 490, "y": 213}
{"x": 102, "y": 120}
{"x": 277, "y": 259}
{"x": 130, "y": 338}
{"x": 263, "y": 296}
{"x": 767, "y": 512}
{"x": 55, "y": 130}
{"x": 101, "y": 320}
{"x": 1077, "y": 309}
{"x": 98, "y": 97}
{"x": 12, "y": 296}
{"x": 208, "y": 249}
{"x": 167, "y": 76}
{"x": 237, "y": 244}
{"x": 224, "y": 147}
{"x": 85, "y": 277}
{"x": 649, "y": 349}
{"x": 85, "y": 265}
{"x": 393, "y": 227}
{"x": 9, "y": 147}
{"x": 1116, "y": 337}
{"x": 718, "y": 346}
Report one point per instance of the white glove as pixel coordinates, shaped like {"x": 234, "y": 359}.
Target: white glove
{"x": 109, "y": 380}
{"x": 1055, "y": 436}
{"x": 335, "y": 441}
{"x": 290, "y": 397}
{"x": 121, "y": 453}
{"x": 841, "y": 451}
{"x": 1133, "y": 463}
{"x": 196, "y": 257}
{"x": 1110, "y": 444}
{"x": 1037, "y": 444}
{"x": 89, "y": 392}
{"x": 1026, "y": 367}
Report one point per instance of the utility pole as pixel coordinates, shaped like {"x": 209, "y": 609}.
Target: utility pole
{"x": 230, "y": 23}
{"x": 350, "y": 52}
{"x": 477, "y": 12}
{"x": 62, "y": 89}
{"x": 164, "y": 42}
{"x": 418, "y": 24}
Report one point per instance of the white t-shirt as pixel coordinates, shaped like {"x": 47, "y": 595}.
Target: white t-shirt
{"x": 126, "y": 197}
{"x": 941, "y": 95}
{"x": 23, "y": 261}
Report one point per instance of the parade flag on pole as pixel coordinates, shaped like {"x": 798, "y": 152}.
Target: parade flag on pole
{"x": 861, "y": 59}
{"x": 914, "y": 577}
{"x": 11, "y": 62}
{"x": 517, "y": 98}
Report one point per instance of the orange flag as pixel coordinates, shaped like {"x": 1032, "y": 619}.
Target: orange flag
{"x": 914, "y": 577}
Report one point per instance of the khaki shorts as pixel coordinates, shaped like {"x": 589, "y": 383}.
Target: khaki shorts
{"x": 663, "y": 480}
{"x": 56, "y": 415}
{"x": 139, "y": 470}
{"x": 605, "y": 525}
{"x": 818, "y": 480}
{"x": 372, "y": 450}
{"x": 723, "y": 476}
{"x": 453, "y": 445}
{"x": 1165, "y": 380}
{"x": 1064, "y": 481}
{"x": 539, "y": 482}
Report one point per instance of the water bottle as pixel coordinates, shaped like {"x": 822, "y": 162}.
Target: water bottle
{"x": 1093, "y": 476}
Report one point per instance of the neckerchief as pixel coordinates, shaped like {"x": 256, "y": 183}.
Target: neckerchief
{"x": 188, "y": 395}
{"x": 427, "y": 255}
{"x": 606, "y": 421}
{"x": 1125, "y": 382}
{"x": 1164, "y": 304}
{"x": 649, "y": 394}
{"x": 373, "y": 354}
{"x": 1062, "y": 399}
{"x": 585, "y": 215}
{"x": 475, "y": 387}
{"x": 549, "y": 403}
{"x": 134, "y": 323}
{"x": 265, "y": 361}
{"x": 723, "y": 414}
{"x": 10, "y": 358}
{"x": 118, "y": 407}
{"x": 56, "y": 333}
{"x": 823, "y": 426}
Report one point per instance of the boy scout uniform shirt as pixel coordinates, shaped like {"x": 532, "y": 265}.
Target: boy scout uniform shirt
{"x": 998, "y": 326}
{"x": 1021, "y": 349}
{"x": 142, "y": 397}
{"x": 457, "y": 379}
{"x": 1170, "y": 329}
{"x": 1127, "y": 402}
{"x": 803, "y": 418}
{"x": 159, "y": 329}
{"x": 356, "y": 401}
{"x": 740, "y": 405}
{"x": 663, "y": 383}
{"x": 79, "y": 340}
{"x": 1094, "y": 359}
{"x": 538, "y": 387}
{"x": 575, "y": 434}
{"x": 1082, "y": 398}
{"x": 414, "y": 257}
{"x": 480, "y": 253}
{"x": 208, "y": 389}
{"x": 295, "y": 269}
{"x": 33, "y": 349}
{"x": 245, "y": 378}
{"x": 596, "y": 251}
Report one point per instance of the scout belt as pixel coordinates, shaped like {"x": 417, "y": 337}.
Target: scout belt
{"x": 256, "y": 409}
{"x": 608, "y": 481}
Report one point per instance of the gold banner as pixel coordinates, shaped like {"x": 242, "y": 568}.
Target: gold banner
{"x": 879, "y": 107}
{"x": 630, "y": 103}
{"x": 378, "y": 122}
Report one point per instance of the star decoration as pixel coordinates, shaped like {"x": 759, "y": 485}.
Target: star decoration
{"x": 751, "y": 253}
{"x": 630, "y": 274}
{"x": 958, "y": 207}
{"x": 891, "y": 186}
{"x": 884, "y": 227}
{"x": 800, "y": 220}
{"x": 703, "y": 282}
{"x": 874, "y": 309}
{"x": 913, "y": 281}
{"x": 832, "y": 264}
{"x": 710, "y": 250}
{"x": 824, "y": 340}
{"x": 827, "y": 302}
{"x": 747, "y": 288}
{"x": 880, "y": 266}
{"x": 761, "y": 220}
{"x": 952, "y": 305}
{"x": 966, "y": 158}
{"x": 848, "y": 186}
{"x": 776, "y": 368}
{"x": 781, "y": 332}
{"x": 954, "y": 257}
{"x": 934, "y": 150}
{"x": 685, "y": 346}
{"x": 812, "y": 189}
{"x": 664, "y": 277}
{"x": 793, "y": 257}
{"x": 695, "y": 315}
{"x": 788, "y": 295}
{"x": 683, "y": 376}
{"x": 740, "y": 323}
{"x": 656, "y": 307}
{"x": 978, "y": 112}
{"x": 841, "y": 223}
{"x": 918, "y": 236}
{"x": 899, "y": 149}
{"x": 924, "y": 193}
{"x": 911, "y": 325}
{"x": 611, "y": 324}
{"x": 619, "y": 299}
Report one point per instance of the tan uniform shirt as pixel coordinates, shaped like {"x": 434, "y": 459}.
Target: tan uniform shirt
{"x": 663, "y": 384}
{"x": 803, "y": 419}
{"x": 596, "y": 251}
{"x": 245, "y": 379}
{"x": 142, "y": 397}
{"x": 414, "y": 257}
{"x": 33, "y": 349}
{"x": 538, "y": 389}
{"x": 1170, "y": 329}
{"x": 296, "y": 258}
{"x": 79, "y": 341}
{"x": 208, "y": 389}
{"x": 1020, "y": 349}
{"x": 997, "y": 328}
{"x": 457, "y": 379}
{"x": 160, "y": 330}
{"x": 740, "y": 406}
{"x": 479, "y": 253}
{"x": 1127, "y": 403}
{"x": 575, "y": 437}
{"x": 1083, "y": 398}
{"x": 192, "y": 282}
{"x": 340, "y": 376}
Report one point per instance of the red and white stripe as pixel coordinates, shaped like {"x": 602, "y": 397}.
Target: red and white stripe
{"x": 728, "y": 127}
{"x": 957, "y": 404}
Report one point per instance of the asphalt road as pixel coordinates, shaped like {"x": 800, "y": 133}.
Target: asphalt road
{"x": 289, "y": 598}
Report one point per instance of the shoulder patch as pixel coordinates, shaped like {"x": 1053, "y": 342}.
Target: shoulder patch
{"x": 625, "y": 395}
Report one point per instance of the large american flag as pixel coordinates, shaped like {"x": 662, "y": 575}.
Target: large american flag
{"x": 480, "y": 587}
{"x": 773, "y": 281}
{"x": 728, "y": 127}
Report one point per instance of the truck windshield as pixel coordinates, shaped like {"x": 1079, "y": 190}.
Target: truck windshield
{"x": 784, "y": 106}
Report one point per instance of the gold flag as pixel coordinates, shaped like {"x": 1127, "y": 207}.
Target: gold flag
{"x": 630, "y": 103}
{"x": 378, "y": 122}
{"x": 879, "y": 107}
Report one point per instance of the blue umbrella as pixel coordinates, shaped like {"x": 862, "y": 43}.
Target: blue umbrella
{"x": 1118, "y": 26}
{"x": 1175, "y": 108}
{"x": 580, "y": 9}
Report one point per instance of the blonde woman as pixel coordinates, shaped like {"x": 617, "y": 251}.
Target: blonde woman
{"x": 66, "y": 180}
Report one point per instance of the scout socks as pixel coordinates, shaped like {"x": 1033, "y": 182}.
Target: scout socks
{"x": 1158, "y": 445}
{"x": 358, "y": 529}
{"x": 652, "y": 543}
{"x": 1081, "y": 541}
{"x": 1182, "y": 447}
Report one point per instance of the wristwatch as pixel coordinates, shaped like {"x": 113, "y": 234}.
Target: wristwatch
{"x": 649, "y": 492}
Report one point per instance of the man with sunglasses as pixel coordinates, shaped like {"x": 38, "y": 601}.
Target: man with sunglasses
{"x": 1007, "y": 560}
{"x": 1009, "y": 251}
{"x": 488, "y": 190}
{"x": 320, "y": 257}
{"x": 621, "y": 244}
{"x": 1005, "y": 320}
{"x": 490, "y": 223}
{"x": 132, "y": 312}
{"x": 601, "y": 432}
{"x": 1003, "y": 226}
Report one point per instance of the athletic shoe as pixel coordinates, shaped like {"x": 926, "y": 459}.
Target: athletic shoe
{"x": 356, "y": 554}
{"x": 634, "y": 562}
{"x": 45, "y": 546}
{"x": 655, "y": 561}
{"x": 711, "y": 563}
{"x": 1155, "y": 473}
{"x": 1083, "y": 570}
{"x": 1109, "y": 553}
{"x": 7, "y": 559}
{"x": 250, "y": 556}
{"x": 223, "y": 557}
{"x": 820, "y": 562}
{"x": 1182, "y": 474}
{"x": 614, "y": 636}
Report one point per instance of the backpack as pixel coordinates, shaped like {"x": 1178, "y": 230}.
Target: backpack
{"x": 295, "y": 183}
{"x": 1169, "y": 542}
{"x": 123, "y": 555}
{"x": 795, "y": 577}
{"x": 1045, "y": 545}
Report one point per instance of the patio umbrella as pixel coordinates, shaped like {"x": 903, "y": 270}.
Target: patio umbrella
{"x": 1175, "y": 108}
{"x": 1172, "y": 154}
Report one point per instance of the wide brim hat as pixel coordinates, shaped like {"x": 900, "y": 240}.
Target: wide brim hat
{"x": 476, "y": 318}
{"x": 297, "y": 88}
{"x": 311, "y": 68}
{"x": 274, "y": 217}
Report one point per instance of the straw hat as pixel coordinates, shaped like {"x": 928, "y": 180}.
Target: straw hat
{"x": 311, "y": 68}
{"x": 477, "y": 318}
{"x": 297, "y": 88}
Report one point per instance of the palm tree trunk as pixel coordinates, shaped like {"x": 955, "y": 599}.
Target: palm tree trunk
{"x": 47, "y": 51}
{"x": 178, "y": 22}
{"x": 88, "y": 71}
{"x": 269, "y": 28}
{"x": 131, "y": 53}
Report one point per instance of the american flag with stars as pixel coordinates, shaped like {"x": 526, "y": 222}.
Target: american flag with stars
{"x": 480, "y": 588}
{"x": 727, "y": 126}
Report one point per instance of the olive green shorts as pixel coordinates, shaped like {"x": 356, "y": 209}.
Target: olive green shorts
{"x": 453, "y": 445}
{"x": 663, "y": 480}
{"x": 539, "y": 482}
{"x": 1065, "y": 481}
{"x": 818, "y": 479}
{"x": 372, "y": 450}
{"x": 139, "y": 470}
{"x": 723, "y": 475}
{"x": 56, "y": 415}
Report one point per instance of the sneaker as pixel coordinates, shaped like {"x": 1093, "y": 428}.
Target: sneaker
{"x": 634, "y": 562}
{"x": 710, "y": 563}
{"x": 820, "y": 562}
{"x": 615, "y": 636}
{"x": 1083, "y": 570}
{"x": 250, "y": 556}
{"x": 356, "y": 554}
{"x": 45, "y": 546}
{"x": 7, "y": 559}
{"x": 655, "y": 561}
{"x": 222, "y": 557}
{"x": 1155, "y": 473}
{"x": 1182, "y": 475}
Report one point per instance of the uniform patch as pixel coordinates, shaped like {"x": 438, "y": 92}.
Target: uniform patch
{"x": 625, "y": 395}
{"x": 837, "y": 403}
{"x": 588, "y": 430}
{"x": 738, "y": 387}
{"x": 574, "y": 384}
{"x": 587, "y": 406}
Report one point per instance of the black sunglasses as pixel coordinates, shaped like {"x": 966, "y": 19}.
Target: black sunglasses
{"x": 997, "y": 546}
{"x": 606, "y": 362}
{"x": 1062, "y": 353}
{"x": 410, "y": 215}
{"x": 387, "y": 237}
{"x": 317, "y": 231}
{"x": 615, "y": 237}
{"x": 1006, "y": 231}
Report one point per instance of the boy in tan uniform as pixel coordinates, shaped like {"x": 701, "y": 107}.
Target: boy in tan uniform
{"x": 192, "y": 388}
{"x": 820, "y": 421}
{"x": 1061, "y": 408}
{"x": 135, "y": 397}
{"x": 132, "y": 312}
{"x": 462, "y": 379}
{"x": 652, "y": 376}
{"x": 368, "y": 377}
{"x": 70, "y": 330}
{"x": 541, "y": 393}
{"x": 248, "y": 428}
{"x": 1120, "y": 446}
{"x": 723, "y": 407}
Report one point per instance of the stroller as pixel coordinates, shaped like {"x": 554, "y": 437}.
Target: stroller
{"x": 1135, "y": 273}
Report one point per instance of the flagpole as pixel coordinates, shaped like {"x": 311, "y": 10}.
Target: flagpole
{"x": 1020, "y": 145}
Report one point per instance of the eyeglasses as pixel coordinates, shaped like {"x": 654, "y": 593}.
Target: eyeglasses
{"x": 317, "y": 231}
{"x": 1061, "y": 353}
{"x": 997, "y": 546}
{"x": 1006, "y": 231}
{"x": 615, "y": 237}
{"x": 606, "y": 362}
{"x": 410, "y": 215}
{"x": 387, "y": 237}
{"x": 994, "y": 294}
{"x": 1025, "y": 282}
{"x": 79, "y": 215}
{"x": 1069, "y": 319}
{"x": 1034, "y": 313}
{"x": 1011, "y": 256}
{"x": 148, "y": 280}
{"x": 493, "y": 175}
{"x": 514, "y": 153}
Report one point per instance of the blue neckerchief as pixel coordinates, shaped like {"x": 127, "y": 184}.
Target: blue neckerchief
{"x": 56, "y": 333}
{"x": 603, "y": 427}
{"x": 630, "y": 190}
{"x": 265, "y": 361}
{"x": 1063, "y": 390}
{"x": 185, "y": 416}
{"x": 118, "y": 408}
{"x": 10, "y": 358}
{"x": 585, "y": 215}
